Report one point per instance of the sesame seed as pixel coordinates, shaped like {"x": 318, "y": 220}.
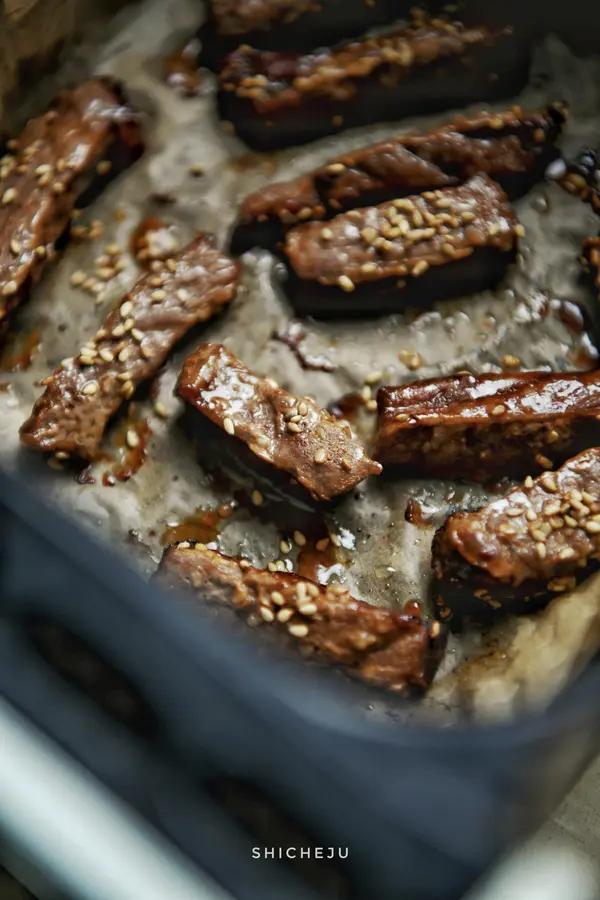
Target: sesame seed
{"x": 182, "y": 294}
{"x": 323, "y": 544}
{"x": 257, "y": 498}
{"x": 548, "y": 483}
{"x": 335, "y": 168}
{"x": 284, "y": 615}
{"x": 300, "y": 630}
{"x": 346, "y": 464}
{"x": 519, "y": 230}
{"x": 402, "y": 417}
{"x": 127, "y": 389}
{"x": 592, "y": 527}
{"x": 77, "y": 278}
{"x": 550, "y": 509}
{"x": 302, "y": 408}
{"x": 541, "y": 550}
{"x": 228, "y": 425}
{"x": 137, "y": 335}
{"x": 513, "y": 511}
{"x": 128, "y": 324}
{"x": 123, "y": 355}
{"x": 271, "y": 567}
{"x": 126, "y": 308}
{"x": 160, "y": 409}
{"x": 371, "y": 405}
{"x": 299, "y": 538}
{"x": 498, "y": 410}
{"x": 196, "y": 169}
{"x": 420, "y": 268}
{"x": 530, "y": 515}
{"x": 308, "y": 609}
{"x": 538, "y": 534}
{"x": 346, "y": 283}
{"x": 158, "y": 295}
{"x": 277, "y": 598}
{"x": 543, "y": 461}
{"x": 368, "y": 235}
{"x": 8, "y": 196}
{"x": 510, "y": 362}
{"x": 374, "y": 377}
{"x": 327, "y": 234}
{"x": 587, "y": 498}
{"x": 334, "y": 540}
{"x": 119, "y": 330}
{"x": 293, "y": 427}
{"x": 368, "y": 268}
{"x": 106, "y": 354}
{"x": 58, "y": 188}
{"x": 448, "y": 249}
{"x": 301, "y": 592}
{"x": 10, "y": 288}
{"x": 320, "y": 456}
{"x": 571, "y": 522}
{"x": 90, "y": 388}
{"x": 366, "y": 393}
{"x": 15, "y": 247}
{"x": 133, "y": 438}
{"x": 171, "y": 265}
{"x": 567, "y": 553}
{"x": 41, "y": 251}
{"x": 285, "y": 546}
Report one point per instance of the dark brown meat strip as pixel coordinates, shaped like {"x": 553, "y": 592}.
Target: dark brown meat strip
{"x": 512, "y": 554}
{"x": 413, "y": 250}
{"x": 85, "y": 392}
{"x": 62, "y": 158}
{"x": 291, "y": 434}
{"x": 389, "y": 649}
{"x": 275, "y": 99}
{"x": 486, "y": 426}
{"x": 513, "y": 147}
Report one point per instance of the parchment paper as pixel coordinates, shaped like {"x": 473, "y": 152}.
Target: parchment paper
{"x": 386, "y": 560}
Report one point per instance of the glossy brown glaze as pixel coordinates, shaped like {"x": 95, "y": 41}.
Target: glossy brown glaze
{"x": 61, "y": 159}
{"x": 290, "y": 434}
{"x": 480, "y": 427}
{"x": 512, "y": 554}
{"x": 513, "y": 147}
{"x": 591, "y": 260}
{"x": 276, "y": 98}
{"x": 387, "y": 248}
{"x": 86, "y": 391}
{"x": 389, "y": 649}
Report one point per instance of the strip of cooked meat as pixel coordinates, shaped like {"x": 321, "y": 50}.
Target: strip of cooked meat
{"x": 512, "y": 554}
{"x": 291, "y": 25}
{"x": 581, "y": 176}
{"x": 513, "y": 147}
{"x": 480, "y": 427}
{"x": 272, "y": 431}
{"x": 409, "y": 251}
{"x": 63, "y": 158}
{"x": 85, "y": 392}
{"x": 386, "y": 648}
{"x": 275, "y": 99}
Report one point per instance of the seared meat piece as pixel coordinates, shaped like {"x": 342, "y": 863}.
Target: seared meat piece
{"x": 63, "y": 158}
{"x": 582, "y": 177}
{"x": 409, "y": 251}
{"x": 280, "y": 437}
{"x": 85, "y": 392}
{"x": 296, "y": 25}
{"x": 513, "y": 147}
{"x": 485, "y": 426}
{"x": 275, "y": 99}
{"x": 510, "y": 556}
{"x": 382, "y": 647}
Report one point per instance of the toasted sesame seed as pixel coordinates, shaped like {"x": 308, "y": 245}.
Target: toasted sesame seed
{"x": 298, "y": 630}
{"x": 567, "y": 553}
{"x": 368, "y": 268}
{"x": 541, "y": 549}
{"x": 320, "y": 456}
{"x": 133, "y": 438}
{"x": 271, "y": 567}
{"x": 543, "y": 461}
{"x": 346, "y": 283}
{"x": 41, "y": 251}
{"x": 571, "y": 522}
{"x": 126, "y": 308}
{"x": 550, "y": 509}
{"x": 284, "y": 615}
{"x": 10, "y": 288}
{"x": 587, "y": 498}
{"x": 128, "y": 324}
{"x": 592, "y": 526}
{"x": 366, "y": 393}
{"x": 137, "y": 335}
{"x": 530, "y": 515}
{"x": 127, "y": 389}
{"x": 90, "y": 388}
{"x": 513, "y": 511}
{"x": 78, "y": 278}
{"x": 257, "y": 498}
{"x": 158, "y": 295}
{"x": 420, "y": 268}
{"x": 123, "y": 355}
{"x": 228, "y": 425}
{"x": 302, "y": 408}
{"x": 299, "y": 538}
{"x": 519, "y": 230}
{"x": 402, "y": 417}
{"x": 368, "y": 235}
{"x": 327, "y": 234}
{"x": 498, "y": 410}
{"x": 86, "y": 360}
{"x": 118, "y": 330}
{"x": 346, "y": 464}
{"x": 308, "y": 609}
{"x": 58, "y": 187}
{"x": 323, "y": 544}
{"x": 548, "y": 483}
{"x": 106, "y": 354}
{"x": 374, "y": 377}
{"x": 510, "y": 362}
{"x": 277, "y": 598}
{"x": 293, "y": 427}
{"x": 8, "y": 196}
{"x": 449, "y": 249}
{"x": 371, "y": 405}
{"x": 160, "y": 409}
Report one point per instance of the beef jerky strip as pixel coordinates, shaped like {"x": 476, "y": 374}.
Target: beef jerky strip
{"x": 277, "y": 99}
{"x": 283, "y": 438}
{"x": 510, "y": 556}
{"x": 480, "y": 427}
{"x": 386, "y": 648}
{"x": 410, "y": 251}
{"x": 83, "y": 394}
{"x": 63, "y": 158}
{"x": 290, "y": 25}
{"x": 513, "y": 147}
{"x": 580, "y": 176}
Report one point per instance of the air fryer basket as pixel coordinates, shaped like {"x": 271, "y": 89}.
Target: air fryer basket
{"x": 177, "y": 713}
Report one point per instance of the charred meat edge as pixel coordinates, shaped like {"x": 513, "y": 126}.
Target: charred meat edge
{"x": 291, "y": 434}
{"x": 276, "y": 99}
{"x": 482, "y": 426}
{"x": 514, "y": 147}
{"x": 513, "y": 554}
{"x": 84, "y": 393}
{"x": 63, "y": 158}
{"x": 408, "y": 251}
{"x": 386, "y": 648}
